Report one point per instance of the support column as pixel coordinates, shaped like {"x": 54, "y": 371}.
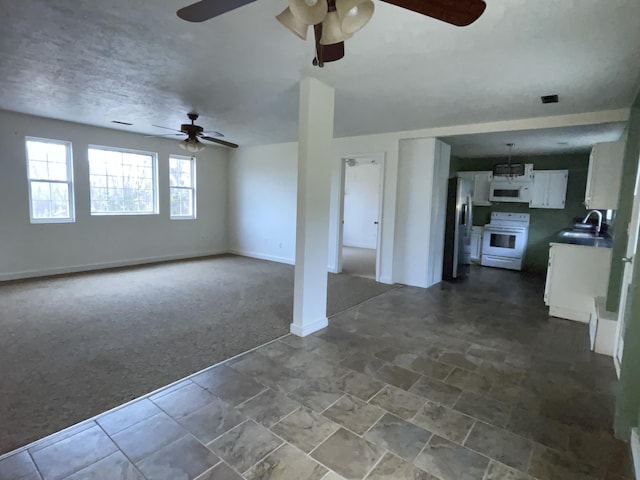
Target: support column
{"x": 315, "y": 140}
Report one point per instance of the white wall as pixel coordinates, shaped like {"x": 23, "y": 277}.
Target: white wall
{"x": 262, "y": 202}
{"x": 101, "y": 241}
{"x": 423, "y": 170}
{"x": 361, "y": 192}
{"x": 272, "y": 170}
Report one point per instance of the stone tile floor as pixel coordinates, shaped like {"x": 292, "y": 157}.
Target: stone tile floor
{"x": 458, "y": 382}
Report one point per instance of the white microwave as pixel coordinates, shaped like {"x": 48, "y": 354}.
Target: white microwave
{"x": 502, "y": 191}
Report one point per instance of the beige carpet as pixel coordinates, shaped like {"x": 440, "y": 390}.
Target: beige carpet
{"x": 74, "y": 346}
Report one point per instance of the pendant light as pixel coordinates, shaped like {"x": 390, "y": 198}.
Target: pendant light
{"x": 354, "y": 14}
{"x": 331, "y": 30}
{"x": 192, "y": 145}
{"x": 297, "y": 26}
{"x": 310, "y": 12}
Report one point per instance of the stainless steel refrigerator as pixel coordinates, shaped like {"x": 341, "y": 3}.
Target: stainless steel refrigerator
{"x": 457, "y": 237}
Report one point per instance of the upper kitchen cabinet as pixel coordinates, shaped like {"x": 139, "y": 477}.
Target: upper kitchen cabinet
{"x": 605, "y": 172}
{"x": 549, "y": 189}
{"x": 481, "y": 183}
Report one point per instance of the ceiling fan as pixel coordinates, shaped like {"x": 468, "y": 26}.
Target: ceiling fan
{"x": 194, "y": 134}
{"x": 335, "y": 21}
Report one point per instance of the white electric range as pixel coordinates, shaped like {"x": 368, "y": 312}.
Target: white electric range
{"x": 504, "y": 242}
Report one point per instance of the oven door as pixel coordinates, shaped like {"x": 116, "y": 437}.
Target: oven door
{"x": 510, "y": 192}
{"x": 504, "y": 241}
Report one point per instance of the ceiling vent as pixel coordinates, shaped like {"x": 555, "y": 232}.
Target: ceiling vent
{"x": 549, "y": 99}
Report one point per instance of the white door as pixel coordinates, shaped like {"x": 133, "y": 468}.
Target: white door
{"x": 628, "y": 260}
{"x": 361, "y": 204}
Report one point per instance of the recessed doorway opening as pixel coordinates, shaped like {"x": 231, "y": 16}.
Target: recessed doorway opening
{"x": 361, "y": 215}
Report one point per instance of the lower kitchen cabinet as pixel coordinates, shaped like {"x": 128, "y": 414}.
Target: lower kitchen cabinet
{"x": 476, "y": 244}
{"x": 576, "y": 275}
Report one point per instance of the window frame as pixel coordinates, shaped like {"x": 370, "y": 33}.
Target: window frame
{"x": 154, "y": 169}
{"x": 192, "y": 188}
{"x": 69, "y": 182}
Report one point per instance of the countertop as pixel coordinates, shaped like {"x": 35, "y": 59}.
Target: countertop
{"x": 597, "y": 242}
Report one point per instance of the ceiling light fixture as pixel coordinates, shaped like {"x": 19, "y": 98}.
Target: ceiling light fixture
{"x": 192, "y": 145}
{"x": 351, "y": 15}
{"x": 334, "y": 22}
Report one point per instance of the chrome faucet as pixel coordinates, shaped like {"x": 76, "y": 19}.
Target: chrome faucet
{"x": 597, "y": 212}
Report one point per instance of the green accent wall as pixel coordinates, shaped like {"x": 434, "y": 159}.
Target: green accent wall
{"x": 545, "y": 223}
{"x": 628, "y": 400}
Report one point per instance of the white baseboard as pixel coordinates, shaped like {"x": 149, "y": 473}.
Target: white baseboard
{"x": 569, "y": 314}
{"x": 387, "y": 280}
{"x": 102, "y": 266}
{"x": 309, "y": 328}
{"x": 262, "y": 256}
{"x": 635, "y": 451}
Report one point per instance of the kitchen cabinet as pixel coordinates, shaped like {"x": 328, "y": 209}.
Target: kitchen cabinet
{"x": 549, "y": 189}
{"x": 605, "y": 175}
{"x": 476, "y": 244}
{"x": 576, "y": 275}
{"x": 481, "y": 183}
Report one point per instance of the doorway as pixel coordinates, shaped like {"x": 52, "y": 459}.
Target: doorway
{"x": 360, "y": 225}
{"x": 628, "y": 259}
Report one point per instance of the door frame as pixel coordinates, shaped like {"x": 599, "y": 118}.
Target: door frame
{"x": 380, "y": 157}
{"x": 627, "y": 272}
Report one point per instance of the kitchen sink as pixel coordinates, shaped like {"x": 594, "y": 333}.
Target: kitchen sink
{"x": 586, "y": 238}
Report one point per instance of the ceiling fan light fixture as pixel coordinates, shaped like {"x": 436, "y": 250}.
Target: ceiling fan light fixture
{"x": 289, "y": 20}
{"x": 191, "y": 145}
{"x": 331, "y": 31}
{"x": 310, "y": 14}
{"x": 354, "y": 14}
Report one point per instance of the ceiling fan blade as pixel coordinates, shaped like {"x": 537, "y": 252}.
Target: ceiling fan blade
{"x": 167, "y": 128}
{"x": 456, "y": 12}
{"x": 221, "y": 142}
{"x": 206, "y": 9}
{"x": 211, "y": 134}
{"x": 164, "y": 135}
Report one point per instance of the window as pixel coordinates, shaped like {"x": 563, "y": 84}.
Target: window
{"x": 122, "y": 182}
{"x": 182, "y": 181}
{"x": 50, "y": 178}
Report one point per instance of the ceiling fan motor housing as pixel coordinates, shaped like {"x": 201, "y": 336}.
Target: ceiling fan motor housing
{"x": 191, "y": 130}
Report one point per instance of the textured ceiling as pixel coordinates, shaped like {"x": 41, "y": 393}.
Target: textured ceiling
{"x": 544, "y": 141}
{"x": 93, "y": 62}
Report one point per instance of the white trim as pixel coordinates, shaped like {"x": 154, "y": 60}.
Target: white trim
{"x": 532, "y": 123}
{"x": 381, "y": 158}
{"x": 154, "y": 179}
{"x": 569, "y": 314}
{"x": 635, "y": 451}
{"x": 192, "y": 188}
{"x": 102, "y": 266}
{"x": 309, "y": 328}
{"x": 262, "y": 256}
{"x": 69, "y": 182}
{"x": 386, "y": 279}
{"x": 616, "y": 365}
